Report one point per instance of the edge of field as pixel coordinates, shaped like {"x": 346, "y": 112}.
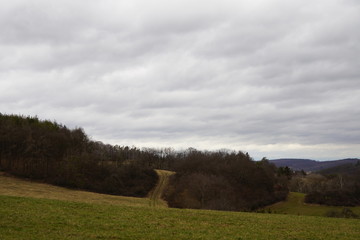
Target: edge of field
{"x": 295, "y": 205}
{"x": 13, "y": 186}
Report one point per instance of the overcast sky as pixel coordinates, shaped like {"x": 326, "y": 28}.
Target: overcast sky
{"x": 275, "y": 78}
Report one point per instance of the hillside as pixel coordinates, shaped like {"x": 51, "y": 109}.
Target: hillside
{"x": 349, "y": 168}
{"x": 311, "y": 165}
{"x": 50, "y": 152}
{"x": 33, "y": 210}
{"x": 11, "y": 186}
{"x": 43, "y": 219}
{"x": 46, "y": 151}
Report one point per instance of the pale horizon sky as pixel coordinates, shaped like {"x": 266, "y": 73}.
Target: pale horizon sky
{"x": 274, "y": 78}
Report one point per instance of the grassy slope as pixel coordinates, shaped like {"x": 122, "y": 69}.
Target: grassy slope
{"x": 83, "y": 215}
{"x": 11, "y": 186}
{"x": 295, "y": 205}
{"x": 30, "y": 218}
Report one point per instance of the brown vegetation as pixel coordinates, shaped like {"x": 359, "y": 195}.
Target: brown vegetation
{"x": 337, "y": 189}
{"x": 224, "y": 181}
{"x": 13, "y": 186}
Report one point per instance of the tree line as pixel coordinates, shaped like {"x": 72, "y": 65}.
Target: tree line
{"x": 48, "y": 151}
{"x": 223, "y": 180}
{"x": 332, "y": 187}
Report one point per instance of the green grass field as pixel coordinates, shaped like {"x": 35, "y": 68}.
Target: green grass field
{"x": 30, "y": 218}
{"x": 295, "y": 205}
{"x": 30, "y": 210}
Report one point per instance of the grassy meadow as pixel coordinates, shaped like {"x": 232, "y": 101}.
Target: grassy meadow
{"x": 30, "y": 218}
{"x": 30, "y": 210}
{"x": 11, "y": 186}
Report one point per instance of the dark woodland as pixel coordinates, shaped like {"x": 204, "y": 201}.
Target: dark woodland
{"x": 225, "y": 181}
{"x": 50, "y": 152}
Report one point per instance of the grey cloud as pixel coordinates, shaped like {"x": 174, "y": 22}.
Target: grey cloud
{"x": 263, "y": 75}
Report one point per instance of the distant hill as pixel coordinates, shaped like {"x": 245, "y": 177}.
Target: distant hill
{"x": 348, "y": 169}
{"x": 312, "y": 165}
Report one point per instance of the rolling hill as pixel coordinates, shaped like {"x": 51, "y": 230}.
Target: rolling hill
{"x": 309, "y": 165}
{"x": 348, "y": 169}
{"x": 33, "y": 210}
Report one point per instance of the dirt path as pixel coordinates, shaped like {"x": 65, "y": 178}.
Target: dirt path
{"x": 156, "y": 193}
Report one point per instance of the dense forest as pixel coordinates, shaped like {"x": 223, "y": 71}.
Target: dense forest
{"x": 225, "y": 181}
{"x": 50, "y": 152}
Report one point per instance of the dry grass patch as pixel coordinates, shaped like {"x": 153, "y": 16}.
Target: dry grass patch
{"x": 12, "y": 186}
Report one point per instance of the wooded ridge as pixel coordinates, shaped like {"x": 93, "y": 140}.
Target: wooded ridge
{"x": 223, "y": 180}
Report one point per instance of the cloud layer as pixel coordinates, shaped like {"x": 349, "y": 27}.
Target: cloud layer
{"x": 275, "y": 78}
